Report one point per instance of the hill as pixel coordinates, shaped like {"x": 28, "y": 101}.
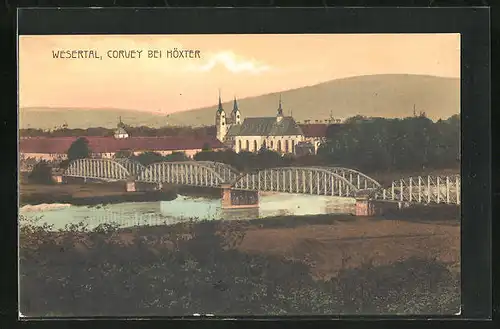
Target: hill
{"x": 48, "y": 118}
{"x": 392, "y": 95}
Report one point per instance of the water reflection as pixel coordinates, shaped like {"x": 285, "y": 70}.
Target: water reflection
{"x": 187, "y": 208}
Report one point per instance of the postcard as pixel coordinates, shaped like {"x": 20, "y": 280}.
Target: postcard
{"x": 239, "y": 175}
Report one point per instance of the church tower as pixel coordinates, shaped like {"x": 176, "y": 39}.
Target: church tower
{"x": 220, "y": 121}
{"x": 235, "y": 114}
{"x": 279, "y": 114}
{"x": 120, "y": 131}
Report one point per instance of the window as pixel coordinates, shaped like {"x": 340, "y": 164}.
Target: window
{"x": 286, "y": 146}
{"x": 239, "y": 145}
{"x": 279, "y": 146}
{"x": 255, "y": 146}
{"x": 248, "y": 146}
{"x": 272, "y": 144}
{"x": 293, "y": 146}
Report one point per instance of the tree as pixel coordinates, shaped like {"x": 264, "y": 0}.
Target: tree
{"x": 41, "y": 173}
{"x": 64, "y": 164}
{"x": 207, "y": 156}
{"x": 176, "y": 156}
{"x": 245, "y": 161}
{"x": 79, "y": 149}
{"x": 266, "y": 158}
{"x": 123, "y": 154}
{"x": 206, "y": 147}
{"x": 148, "y": 158}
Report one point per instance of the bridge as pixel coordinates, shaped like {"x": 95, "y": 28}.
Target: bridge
{"x": 241, "y": 189}
{"x": 104, "y": 169}
{"x": 333, "y": 181}
{"x": 191, "y": 173}
{"x": 429, "y": 189}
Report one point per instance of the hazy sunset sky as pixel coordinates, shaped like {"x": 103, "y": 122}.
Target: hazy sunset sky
{"x": 240, "y": 65}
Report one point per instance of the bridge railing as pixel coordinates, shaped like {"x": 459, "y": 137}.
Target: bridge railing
{"x": 357, "y": 178}
{"x": 423, "y": 189}
{"x": 299, "y": 180}
{"x": 105, "y": 169}
{"x": 192, "y": 173}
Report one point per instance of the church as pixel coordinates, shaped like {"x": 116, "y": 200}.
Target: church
{"x": 278, "y": 133}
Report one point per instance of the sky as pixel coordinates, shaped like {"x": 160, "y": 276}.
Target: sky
{"x": 236, "y": 65}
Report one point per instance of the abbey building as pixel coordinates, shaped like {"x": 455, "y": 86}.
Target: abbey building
{"x": 279, "y": 133}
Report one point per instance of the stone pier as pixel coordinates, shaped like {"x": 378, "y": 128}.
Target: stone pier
{"x": 131, "y": 186}
{"x": 58, "y": 179}
{"x": 368, "y": 207}
{"x": 238, "y": 199}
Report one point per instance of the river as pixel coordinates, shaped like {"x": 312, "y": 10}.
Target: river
{"x": 182, "y": 209}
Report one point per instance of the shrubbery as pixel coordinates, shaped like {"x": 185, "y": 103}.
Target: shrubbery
{"x": 148, "y": 158}
{"x": 194, "y": 268}
{"x": 41, "y": 173}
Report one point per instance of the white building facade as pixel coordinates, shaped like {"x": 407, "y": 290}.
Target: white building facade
{"x": 278, "y": 133}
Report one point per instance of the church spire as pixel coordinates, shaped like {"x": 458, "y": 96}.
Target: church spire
{"x": 219, "y": 108}
{"x": 279, "y": 115}
{"x": 235, "y": 105}
{"x": 280, "y": 109}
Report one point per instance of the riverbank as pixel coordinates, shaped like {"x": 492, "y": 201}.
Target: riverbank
{"x": 265, "y": 266}
{"x": 88, "y": 194}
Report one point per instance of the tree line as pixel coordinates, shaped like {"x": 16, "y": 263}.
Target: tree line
{"x": 413, "y": 143}
{"x": 139, "y": 131}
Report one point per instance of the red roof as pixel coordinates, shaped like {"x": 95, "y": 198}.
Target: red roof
{"x": 314, "y": 129}
{"x": 110, "y": 144}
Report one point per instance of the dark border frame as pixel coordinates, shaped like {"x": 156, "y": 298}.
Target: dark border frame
{"x": 472, "y": 23}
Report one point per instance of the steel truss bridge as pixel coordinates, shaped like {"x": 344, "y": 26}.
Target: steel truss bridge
{"x": 325, "y": 181}
{"x": 427, "y": 189}
{"x": 333, "y": 181}
{"x": 104, "y": 169}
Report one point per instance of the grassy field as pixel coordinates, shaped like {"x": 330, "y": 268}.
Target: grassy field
{"x": 285, "y": 265}
{"x": 352, "y": 242}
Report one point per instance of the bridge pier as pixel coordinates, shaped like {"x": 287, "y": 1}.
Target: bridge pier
{"x": 131, "y": 186}
{"x": 368, "y": 207}
{"x": 237, "y": 199}
{"x": 58, "y": 179}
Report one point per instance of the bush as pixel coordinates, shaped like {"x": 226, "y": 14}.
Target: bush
{"x": 176, "y": 156}
{"x": 41, "y": 174}
{"x": 64, "y": 164}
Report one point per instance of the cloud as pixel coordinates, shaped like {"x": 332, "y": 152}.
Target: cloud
{"x": 232, "y": 63}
